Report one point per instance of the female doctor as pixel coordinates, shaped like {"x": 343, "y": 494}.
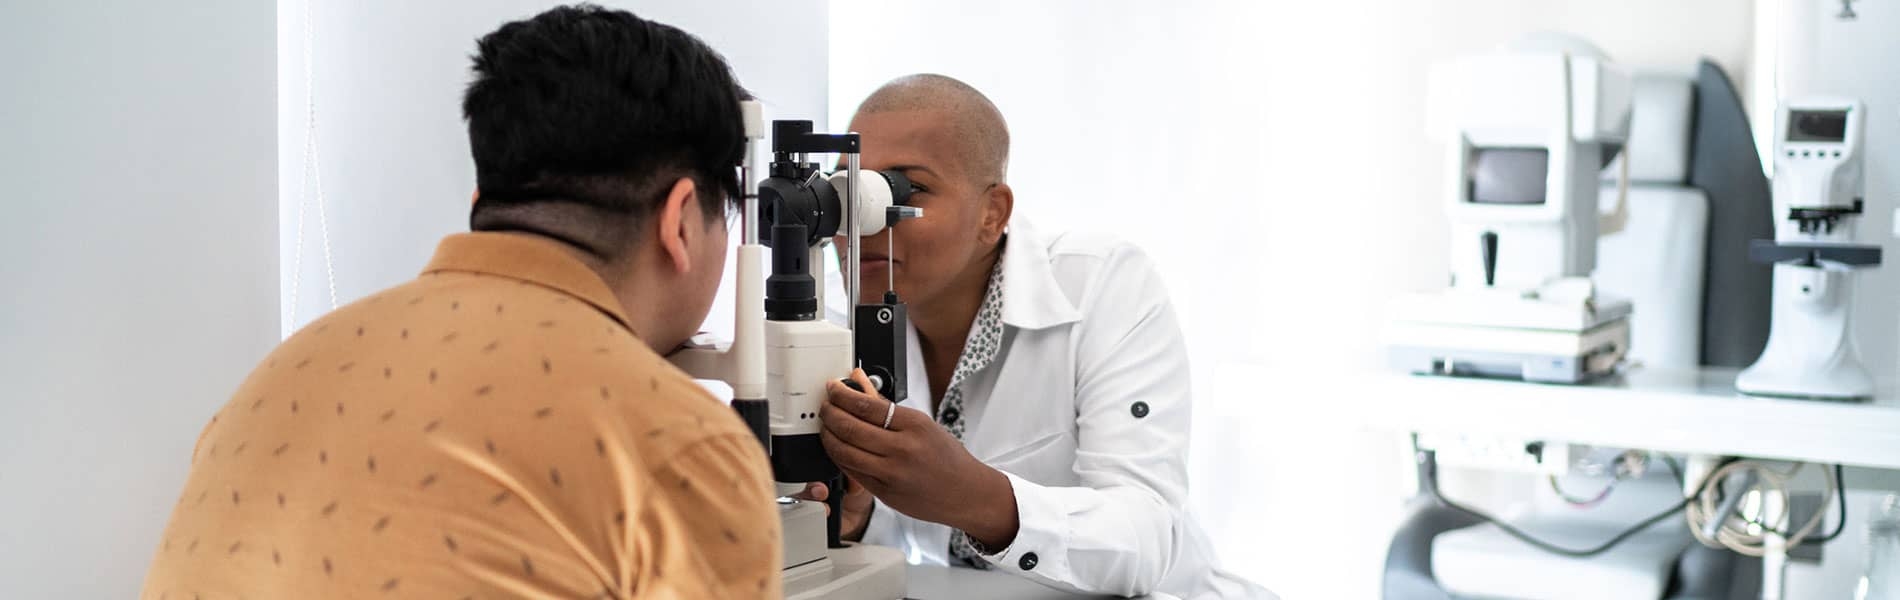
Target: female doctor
{"x": 1047, "y": 435}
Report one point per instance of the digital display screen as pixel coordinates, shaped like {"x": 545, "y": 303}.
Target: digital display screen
{"x": 1817, "y": 126}
{"x": 1507, "y": 176}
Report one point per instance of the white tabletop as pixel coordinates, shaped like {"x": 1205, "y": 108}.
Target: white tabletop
{"x": 933, "y": 582}
{"x": 1687, "y": 411}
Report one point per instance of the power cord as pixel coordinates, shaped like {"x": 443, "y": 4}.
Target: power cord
{"x": 1840, "y": 523}
{"x": 1751, "y": 537}
{"x": 1579, "y": 501}
{"x": 312, "y": 176}
{"x": 1699, "y": 506}
{"x": 1431, "y": 487}
{"x": 1674, "y": 468}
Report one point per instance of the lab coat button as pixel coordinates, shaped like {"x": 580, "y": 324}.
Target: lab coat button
{"x": 1028, "y": 562}
{"x": 1140, "y": 409}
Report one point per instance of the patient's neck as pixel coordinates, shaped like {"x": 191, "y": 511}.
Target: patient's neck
{"x": 610, "y": 247}
{"x": 597, "y": 236}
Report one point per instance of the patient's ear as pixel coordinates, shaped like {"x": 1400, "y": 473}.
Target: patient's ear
{"x": 673, "y": 229}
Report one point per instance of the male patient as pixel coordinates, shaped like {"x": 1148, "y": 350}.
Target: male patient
{"x": 503, "y": 426}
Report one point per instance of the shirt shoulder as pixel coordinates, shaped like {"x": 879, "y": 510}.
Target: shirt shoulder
{"x": 458, "y": 419}
{"x": 475, "y": 352}
{"x": 578, "y": 359}
{"x": 1088, "y": 265}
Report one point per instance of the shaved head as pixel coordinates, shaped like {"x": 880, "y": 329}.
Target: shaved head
{"x": 981, "y": 137}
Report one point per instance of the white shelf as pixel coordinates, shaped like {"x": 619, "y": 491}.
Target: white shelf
{"x": 1696, "y": 412}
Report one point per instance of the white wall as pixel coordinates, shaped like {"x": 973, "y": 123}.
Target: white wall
{"x": 136, "y": 150}
{"x": 392, "y": 147}
{"x": 1271, "y": 157}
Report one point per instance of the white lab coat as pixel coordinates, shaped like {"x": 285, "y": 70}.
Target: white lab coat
{"x": 1086, "y": 409}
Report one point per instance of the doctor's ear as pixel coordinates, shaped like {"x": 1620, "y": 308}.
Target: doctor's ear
{"x": 998, "y": 202}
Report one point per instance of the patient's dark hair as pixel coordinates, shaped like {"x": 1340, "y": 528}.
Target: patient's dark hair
{"x": 581, "y": 118}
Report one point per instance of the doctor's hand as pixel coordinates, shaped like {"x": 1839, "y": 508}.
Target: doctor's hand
{"x": 915, "y": 466}
{"x": 857, "y": 506}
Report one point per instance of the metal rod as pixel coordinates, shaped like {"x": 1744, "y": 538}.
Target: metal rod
{"x": 749, "y": 194}
{"x": 890, "y": 253}
{"x": 853, "y": 244}
{"x": 752, "y": 114}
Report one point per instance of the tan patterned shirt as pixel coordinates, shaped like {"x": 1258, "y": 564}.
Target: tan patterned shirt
{"x": 492, "y": 429}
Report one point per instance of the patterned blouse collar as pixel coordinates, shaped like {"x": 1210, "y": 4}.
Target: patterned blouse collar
{"x": 979, "y": 350}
